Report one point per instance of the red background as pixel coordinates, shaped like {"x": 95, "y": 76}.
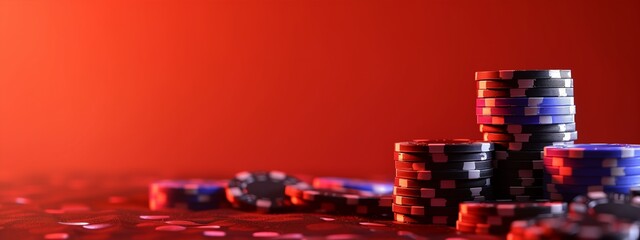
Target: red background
{"x": 320, "y": 87}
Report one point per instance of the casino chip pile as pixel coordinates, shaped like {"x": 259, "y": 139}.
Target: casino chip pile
{"x": 262, "y": 191}
{"x": 521, "y": 112}
{"x": 434, "y": 176}
{"x": 343, "y": 196}
{"x": 577, "y": 169}
{"x": 194, "y": 194}
{"x": 596, "y": 215}
{"x": 496, "y": 217}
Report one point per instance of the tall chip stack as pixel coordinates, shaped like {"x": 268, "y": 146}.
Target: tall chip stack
{"x": 579, "y": 169}
{"x": 521, "y": 112}
{"x": 434, "y": 176}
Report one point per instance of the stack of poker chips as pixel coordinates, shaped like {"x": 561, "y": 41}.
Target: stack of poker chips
{"x": 193, "y": 194}
{"x": 577, "y": 169}
{"x": 521, "y": 112}
{"x": 496, "y": 217}
{"x": 434, "y": 176}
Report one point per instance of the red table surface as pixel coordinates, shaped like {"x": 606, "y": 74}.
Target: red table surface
{"x": 37, "y": 208}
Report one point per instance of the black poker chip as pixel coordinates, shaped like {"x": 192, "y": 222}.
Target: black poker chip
{"x": 338, "y": 197}
{"x": 526, "y": 146}
{"x": 521, "y": 173}
{"x": 418, "y": 210}
{"x": 523, "y": 182}
{"x": 519, "y": 155}
{"x": 467, "y": 194}
{"x": 340, "y": 208}
{"x": 508, "y": 208}
{"x": 521, "y": 191}
{"x": 444, "y": 174}
{"x": 443, "y": 146}
{"x": 526, "y": 92}
{"x": 522, "y": 74}
{"x": 575, "y": 226}
{"x": 442, "y": 184}
{"x": 261, "y": 190}
{"x": 531, "y": 137}
{"x": 519, "y": 164}
{"x": 442, "y": 157}
{"x": 534, "y": 128}
{"x": 623, "y": 206}
{"x": 471, "y": 165}
{"x": 525, "y": 83}
{"x": 433, "y": 202}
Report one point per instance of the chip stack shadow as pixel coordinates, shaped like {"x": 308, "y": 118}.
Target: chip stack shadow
{"x": 521, "y": 112}
{"x": 434, "y": 176}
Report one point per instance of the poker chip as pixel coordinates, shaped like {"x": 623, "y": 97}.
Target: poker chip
{"x": 634, "y": 191}
{"x": 444, "y": 146}
{"x": 496, "y": 217}
{"x": 591, "y": 162}
{"x": 345, "y": 184}
{"x": 526, "y": 92}
{"x": 522, "y": 74}
{"x": 340, "y": 208}
{"x": 526, "y": 146}
{"x": 594, "y": 180}
{"x": 523, "y": 182}
{"x": 192, "y": 194}
{"x": 546, "y": 119}
{"x": 433, "y": 176}
{"x": 420, "y": 166}
{"x": 576, "y": 226}
{"x": 466, "y": 194}
{"x": 525, "y": 102}
{"x": 525, "y": 111}
{"x": 410, "y": 219}
{"x": 261, "y": 191}
{"x": 520, "y": 164}
{"x": 597, "y": 150}
{"x": 585, "y": 189}
{"x": 522, "y": 191}
{"x": 531, "y": 137}
{"x": 525, "y": 83}
{"x": 442, "y": 184}
{"x": 522, "y": 173}
{"x": 449, "y": 174}
{"x": 612, "y": 171}
{"x": 519, "y": 155}
{"x": 337, "y": 197}
{"x": 515, "y": 128}
{"x": 441, "y": 157}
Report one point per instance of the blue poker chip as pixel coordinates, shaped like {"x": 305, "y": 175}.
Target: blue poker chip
{"x": 546, "y": 119}
{"x": 523, "y": 74}
{"x": 525, "y": 102}
{"x": 191, "y": 194}
{"x": 525, "y": 111}
{"x": 582, "y": 189}
{"x": 591, "y": 162}
{"x": 338, "y": 183}
{"x": 612, "y": 171}
{"x": 593, "y": 180}
{"x": 595, "y": 150}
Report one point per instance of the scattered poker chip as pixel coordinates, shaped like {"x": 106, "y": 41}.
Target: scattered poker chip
{"x": 438, "y": 220}
{"x": 487, "y": 219}
{"x": 419, "y": 210}
{"x": 342, "y": 208}
{"x": 597, "y": 150}
{"x": 514, "y": 128}
{"x": 441, "y": 158}
{"x": 519, "y": 155}
{"x": 516, "y": 164}
{"x": 526, "y": 111}
{"x": 526, "y": 92}
{"x": 522, "y": 74}
{"x": 482, "y": 228}
{"x": 594, "y": 180}
{"x": 591, "y": 162}
{"x": 343, "y": 184}
{"x": 550, "y": 119}
{"x": 583, "y": 189}
{"x": 525, "y": 146}
{"x": 442, "y": 184}
{"x": 431, "y": 202}
{"x": 450, "y": 174}
{"x": 337, "y": 197}
{"x": 509, "y": 208}
{"x": 531, "y": 137}
{"x": 467, "y": 194}
{"x": 525, "y": 83}
{"x": 471, "y": 165}
{"x": 193, "y": 194}
{"x": 261, "y": 191}
{"x": 525, "y": 102}
{"x": 613, "y": 171}
{"x": 575, "y": 226}
{"x": 622, "y": 206}
{"x": 444, "y": 146}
